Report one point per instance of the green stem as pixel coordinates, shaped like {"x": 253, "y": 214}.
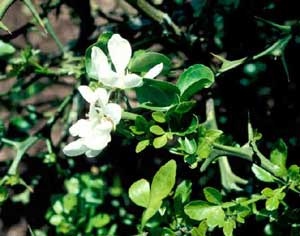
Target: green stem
{"x": 5, "y": 4}
{"x": 51, "y": 31}
{"x": 21, "y": 147}
{"x": 129, "y": 115}
{"x": 155, "y": 14}
{"x": 229, "y": 180}
{"x": 235, "y": 151}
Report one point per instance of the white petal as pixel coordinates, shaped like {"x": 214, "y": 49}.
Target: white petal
{"x": 92, "y": 153}
{"x": 75, "y": 148}
{"x": 114, "y": 112}
{"x": 102, "y": 95}
{"x": 100, "y": 62}
{"x": 132, "y": 80}
{"x": 81, "y": 128}
{"x": 120, "y": 52}
{"x": 87, "y": 93}
{"x": 103, "y": 128}
{"x": 154, "y": 71}
{"x": 97, "y": 141}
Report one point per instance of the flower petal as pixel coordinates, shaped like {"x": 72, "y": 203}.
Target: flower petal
{"x": 87, "y": 93}
{"x": 81, "y": 128}
{"x": 103, "y": 128}
{"x": 100, "y": 62}
{"x": 154, "y": 71}
{"x": 92, "y": 153}
{"x": 132, "y": 80}
{"x": 113, "y": 80}
{"x": 97, "y": 141}
{"x": 114, "y": 112}
{"x": 102, "y": 95}
{"x": 120, "y": 52}
{"x": 75, "y": 148}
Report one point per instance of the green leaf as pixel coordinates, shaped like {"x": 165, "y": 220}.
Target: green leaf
{"x": 102, "y": 44}
{"x": 200, "y": 210}
{"x": 272, "y": 203}
{"x": 163, "y": 181}
{"x": 100, "y": 220}
{"x": 158, "y": 117}
{"x": 72, "y": 185}
{"x": 181, "y": 196}
{"x": 279, "y": 156}
{"x": 58, "y": 207}
{"x": 142, "y": 145}
{"x": 200, "y": 230}
{"x": 229, "y": 226}
{"x": 143, "y": 61}
{"x": 157, "y": 130}
{"x": 195, "y": 209}
{"x": 56, "y": 219}
{"x": 181, "y": 108}
{"x": 212, "y": 195}
{"x": 206, "y": 141}
{"x": 183, "y": 191}
{"x": 3, "y": 194}
{"x": 194, "y": 79}
{"x": 157, "y": 93}
{"x": 189, "y": 146}
{"x": 161, "y": 186}
{"x": 150, "y": 211}
{"x": 69, "y": 202}
{"x": 6, "y": 49}
{"x": 139, "y": 192}
{"x": 160, "y": 142}
{"x": 262, "y": 174}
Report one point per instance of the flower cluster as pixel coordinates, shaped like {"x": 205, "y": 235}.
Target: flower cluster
{"x": 95, "y": 132}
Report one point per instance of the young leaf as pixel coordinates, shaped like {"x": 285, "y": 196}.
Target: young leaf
{"x": 69, "y": 202}
{"x": 162, "y": 184}
{"x": 194, "y": 79}
{"x": 200, "y": 210}
{"x": 272, "y": 203}
{"x": 100, "y": 220}
{"x": 142, "y": 145}
{"x": 262, "y": 174}
{"x": 205, "y": 143}
{"x": 139, "y": 192}
{"x": 6, "y": 49}
{"x": 201, "y": 230}
{"x": 163, "y": 181}
{"x": 161, "y": 141}
{"x": 212, "y": 195}
{"x": 157, "y": 130}
{"x": 158, "y": 117}
{"x": 229, "y": 226}
{"x": 279, "y": 155}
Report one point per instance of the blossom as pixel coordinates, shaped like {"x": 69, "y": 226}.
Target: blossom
{"x": 94, "y": 132}
{"x": 100, "y": 97}
{"x": 120, "y": 53}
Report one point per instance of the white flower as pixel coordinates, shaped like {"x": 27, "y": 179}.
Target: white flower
{"x": 94, "y": 135}
{"x": 120, "y": 53}
{"x": 101, "y": 97}
{"x": 94, "y": 132}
